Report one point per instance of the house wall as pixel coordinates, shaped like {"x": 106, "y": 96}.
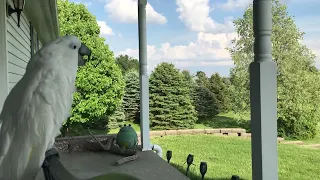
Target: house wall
{"x": 17, "y": 45}
{"x": 3, "y": 55}
{"x": 22, "y": 43}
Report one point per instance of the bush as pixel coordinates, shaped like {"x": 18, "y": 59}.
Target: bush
{"x": 100, "y": 86}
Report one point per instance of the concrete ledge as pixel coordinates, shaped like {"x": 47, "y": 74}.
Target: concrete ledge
{"x": 211, "y": 131}
{"x": 157, "y": 133}
{"x": 232, "y": 130}
{"x": 84, "y": 137}
{"x": 62, "y": 143}
{"x": 293, "y": 142}
{"x": 190, "y": 131}
{"x": 234, "y": 134}
{"x": 218, "y": 132}
{"x": 171, "y": 132}
{"x": 280, "y": 139}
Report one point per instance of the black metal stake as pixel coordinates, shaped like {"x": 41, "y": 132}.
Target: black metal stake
{"x": 169, "y": 155}
{"x": 189, "y": 162}
{"x": 235, "y": 177}
{"x": 203, "y": 169}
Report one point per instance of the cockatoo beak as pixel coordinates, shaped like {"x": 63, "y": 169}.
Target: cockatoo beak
{"x": 83, "y": 50}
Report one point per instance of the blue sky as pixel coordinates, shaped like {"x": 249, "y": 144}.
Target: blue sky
{"x": 192, "y": 34}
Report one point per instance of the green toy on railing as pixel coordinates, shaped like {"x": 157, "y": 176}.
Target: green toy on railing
{"x": 127, "y": 137}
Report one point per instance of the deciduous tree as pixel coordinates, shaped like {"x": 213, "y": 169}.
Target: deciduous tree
{"x": 127, "y": 63}
{"x": 298, "y": 86}
{"x": 100, "y": 86}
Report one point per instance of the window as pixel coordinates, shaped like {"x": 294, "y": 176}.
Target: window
{"x": 34, "y": 40}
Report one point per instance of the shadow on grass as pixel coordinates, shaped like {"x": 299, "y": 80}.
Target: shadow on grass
{"x": 224, "y": 121}
{"x": 196, "y": 175}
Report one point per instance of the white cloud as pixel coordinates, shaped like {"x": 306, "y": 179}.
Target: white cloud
{"x": 208, "y": 50}
{"x": 313, "y": 45}
{"x": 87, "y": 4}
{"x": 231, "y": 5}
{"x": 235, "y": 4}
{"x": 126, "y": 11}
{"x": 188, "y": 64}
{"x": 105, "y": 30}
{"x": 311, "y": 26}
{"x": 195, "y": 15}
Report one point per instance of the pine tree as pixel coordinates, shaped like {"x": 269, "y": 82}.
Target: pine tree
{"x": 219, "y": 88}
{"x": 117, "y": 118}
{"x": 191, "y": 84}
{"x": 170, "y": 103}
{"x": 207, "y": 104}
{"x": 131, "y": 100}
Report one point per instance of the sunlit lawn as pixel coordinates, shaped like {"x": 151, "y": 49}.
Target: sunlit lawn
{"x": 227, "y": 156}
{"x": 136, "y": 127}
{"x": 223, "y": 120}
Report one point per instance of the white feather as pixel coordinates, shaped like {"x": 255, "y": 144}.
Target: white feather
{"x": 36, "y": 108}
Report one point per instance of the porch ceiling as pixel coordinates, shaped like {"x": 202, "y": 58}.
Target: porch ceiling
{"x": 43, "y": 15}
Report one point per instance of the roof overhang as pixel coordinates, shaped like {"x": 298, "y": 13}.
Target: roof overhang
{"x": 43, "y": 15}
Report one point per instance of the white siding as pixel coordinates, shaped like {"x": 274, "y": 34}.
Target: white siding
{"x": 18, "y": 47}
{"x": 3, "y": 55}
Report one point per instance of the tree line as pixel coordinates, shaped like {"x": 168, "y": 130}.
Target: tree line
{"x": 178, "y": 99}
{"x": 108, "y": 86}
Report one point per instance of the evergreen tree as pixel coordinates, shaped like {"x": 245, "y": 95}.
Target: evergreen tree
{"x": 218, "y": 87}
{"x": 191, "y": 84}
{"x": 228, "y": 95}
{"x": 170, "y": 103}
{"x": 117, "y": 118}
{"x": 131, "y": 100}
{"x": 207, "y": 104}
{"x": 201, "y": 78}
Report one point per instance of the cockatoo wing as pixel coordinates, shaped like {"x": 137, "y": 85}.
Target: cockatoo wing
{"x": 30, "y": 124}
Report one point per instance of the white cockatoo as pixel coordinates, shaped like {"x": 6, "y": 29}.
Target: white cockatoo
{"x": 37, "y": 106}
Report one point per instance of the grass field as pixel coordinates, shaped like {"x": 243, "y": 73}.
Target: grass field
{"x": 227, "y": 156}
{"x": 223, "y": 120}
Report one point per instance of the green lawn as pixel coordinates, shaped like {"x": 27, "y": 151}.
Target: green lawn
{"x": 229, "y": 120}
{"x": 316, "y": 140}
{"x": 223, "y": 120}
{"x": 227, "y": 156}
{"x": 136, "y": 127}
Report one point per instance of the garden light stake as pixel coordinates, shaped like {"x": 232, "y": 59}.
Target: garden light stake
{"x": 189, "y": 162}
{"x": 203, "y": 169}
{"x": 169, "y": 155}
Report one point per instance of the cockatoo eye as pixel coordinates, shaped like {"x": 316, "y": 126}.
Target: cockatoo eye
{"x": 73, "y": 46}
